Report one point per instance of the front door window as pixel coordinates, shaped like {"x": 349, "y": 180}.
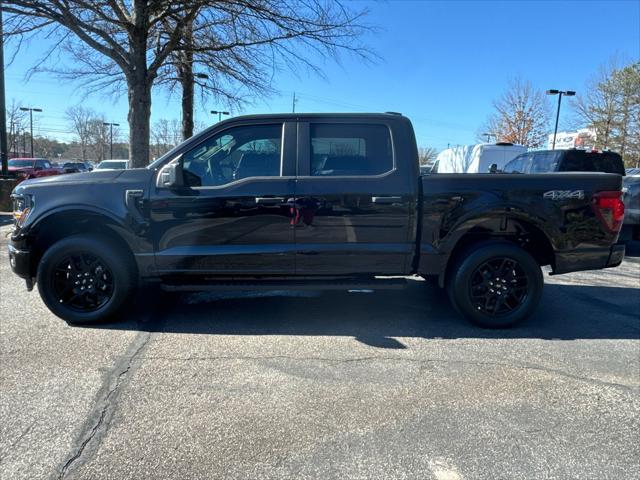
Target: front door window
{"x": 235, "y": 154}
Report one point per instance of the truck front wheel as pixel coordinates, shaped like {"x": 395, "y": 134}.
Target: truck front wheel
{"x": 495, "y": 285}
{"x": 85, "y": 279}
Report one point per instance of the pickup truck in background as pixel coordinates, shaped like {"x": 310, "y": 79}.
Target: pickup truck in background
{"x": 631, "y": 199}
{"x": 571, "y": 160}
{"x": 313, "y": 201}
{"x": 25, "y": 168}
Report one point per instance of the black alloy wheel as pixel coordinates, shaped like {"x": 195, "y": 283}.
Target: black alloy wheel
{"x": 495, "y": 284}
{"x": 87, "y": 278}
{"x": 498, "y": 286}
{"x": 83, "y": 282}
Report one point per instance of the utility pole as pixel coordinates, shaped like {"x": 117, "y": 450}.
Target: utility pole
{"x": 4, "y": 157}
{"x": 295, "y": 100}
{"x": 31, "y": 110}
{"x": 111, "y": 125}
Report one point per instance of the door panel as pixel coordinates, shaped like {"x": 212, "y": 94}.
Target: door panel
{"x": 351, "y": 217}
{"x": 234, "y": 219}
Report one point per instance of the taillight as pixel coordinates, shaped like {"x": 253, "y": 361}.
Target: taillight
{"x": 610, "y": 210}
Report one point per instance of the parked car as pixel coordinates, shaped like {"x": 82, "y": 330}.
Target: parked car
{"x": 321, "y": 201}
{"x": 572, "y": 160}
{"x": 477, "y": 158}
{"x": 631, "y": 199}
{"x": 113, "y": 165}
{"x": 76, "y": 167}
{"x": 25, "y": 168}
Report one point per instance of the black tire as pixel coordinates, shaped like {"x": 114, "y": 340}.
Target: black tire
{"x": 495, "y": 285}
{"x": 86, "y": 279}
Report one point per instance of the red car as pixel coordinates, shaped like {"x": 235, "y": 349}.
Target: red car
{"x": 24, "y": 168}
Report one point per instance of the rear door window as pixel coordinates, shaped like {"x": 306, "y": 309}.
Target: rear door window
{"x": 544, "y": 162}
{"x": 350, "y": 150}
{"x": 518, "y": 164}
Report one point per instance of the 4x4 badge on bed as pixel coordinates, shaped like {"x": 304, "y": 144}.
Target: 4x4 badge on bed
{"x": 563, "y": 194}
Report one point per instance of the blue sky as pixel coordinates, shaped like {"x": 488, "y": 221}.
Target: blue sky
{"x": 442, "y": 64}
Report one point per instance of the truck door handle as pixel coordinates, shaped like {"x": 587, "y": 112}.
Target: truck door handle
{"x": 269, "y": 200}
{"x": 386, "y": 200}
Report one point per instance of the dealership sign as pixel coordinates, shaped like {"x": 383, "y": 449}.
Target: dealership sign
{"x": 579, "y": 139}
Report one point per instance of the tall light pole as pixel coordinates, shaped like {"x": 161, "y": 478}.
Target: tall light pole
{"x": 31, "y": 110}
{"x": 4, "y": 152}
{"x": 219, "y": 114}
{"x": 568, "y": 93}
{"x": 110, "y": 125}
{"x": 489, "y": 135}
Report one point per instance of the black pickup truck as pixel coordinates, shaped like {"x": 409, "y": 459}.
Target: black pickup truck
{"x": 315, "y": 201}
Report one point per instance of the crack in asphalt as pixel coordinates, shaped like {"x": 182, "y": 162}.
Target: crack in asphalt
{"x": 413, "y": 360}
{"x": 3, "y": 455}
{"x": 104, "y": 405}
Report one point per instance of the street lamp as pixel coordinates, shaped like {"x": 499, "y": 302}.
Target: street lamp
{"x": 568, "y": 93}
{"x": 31, "y": 110}
{"x": 110, "y": 125}
{"x": 219, "y": 114}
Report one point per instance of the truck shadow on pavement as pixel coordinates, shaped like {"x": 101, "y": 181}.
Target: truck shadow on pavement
{"x": 381, "y": 319}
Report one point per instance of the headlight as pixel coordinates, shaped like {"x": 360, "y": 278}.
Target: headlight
{"x": 22, "y": 207}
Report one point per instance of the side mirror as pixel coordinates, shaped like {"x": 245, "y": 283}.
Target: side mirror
{"x": 493, "y": 168}
{"x": 171, "y": 176}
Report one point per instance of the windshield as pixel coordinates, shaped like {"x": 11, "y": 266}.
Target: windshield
{"x": 21, "y": 163}
{"x": 112, "y": 165}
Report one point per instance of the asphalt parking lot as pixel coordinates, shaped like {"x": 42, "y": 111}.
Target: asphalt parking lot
{"x": 384, "y": 385}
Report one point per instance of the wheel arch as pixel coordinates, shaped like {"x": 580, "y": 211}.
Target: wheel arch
{"x": 523, "y": 233}
{"x": 60, "y": 224}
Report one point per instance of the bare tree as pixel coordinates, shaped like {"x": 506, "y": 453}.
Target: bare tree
{"x": 125, "y": 44}
{"x": 82, "y": 121}
{"x": 100, "y": 137}
{"x": 16, "y": 120}
{"x": 521, "y": 116}
{"x": 627, "y": 84}
{"x": 115, "y": 42}
{"x": 597, "y": 107}
{"x": 427, "y": 155}
{"x": 611, "y": 107}
{"x": 232, "y": 49}
{"x": 165, "y": 134}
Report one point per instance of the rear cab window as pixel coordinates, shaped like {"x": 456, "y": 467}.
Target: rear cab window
{"x": 343, "y": 149}
{"x": 582, "y": 161}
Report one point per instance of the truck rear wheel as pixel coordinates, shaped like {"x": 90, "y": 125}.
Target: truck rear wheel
{"x": 495, "y": 285}
{"x": 85, "y": 279}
